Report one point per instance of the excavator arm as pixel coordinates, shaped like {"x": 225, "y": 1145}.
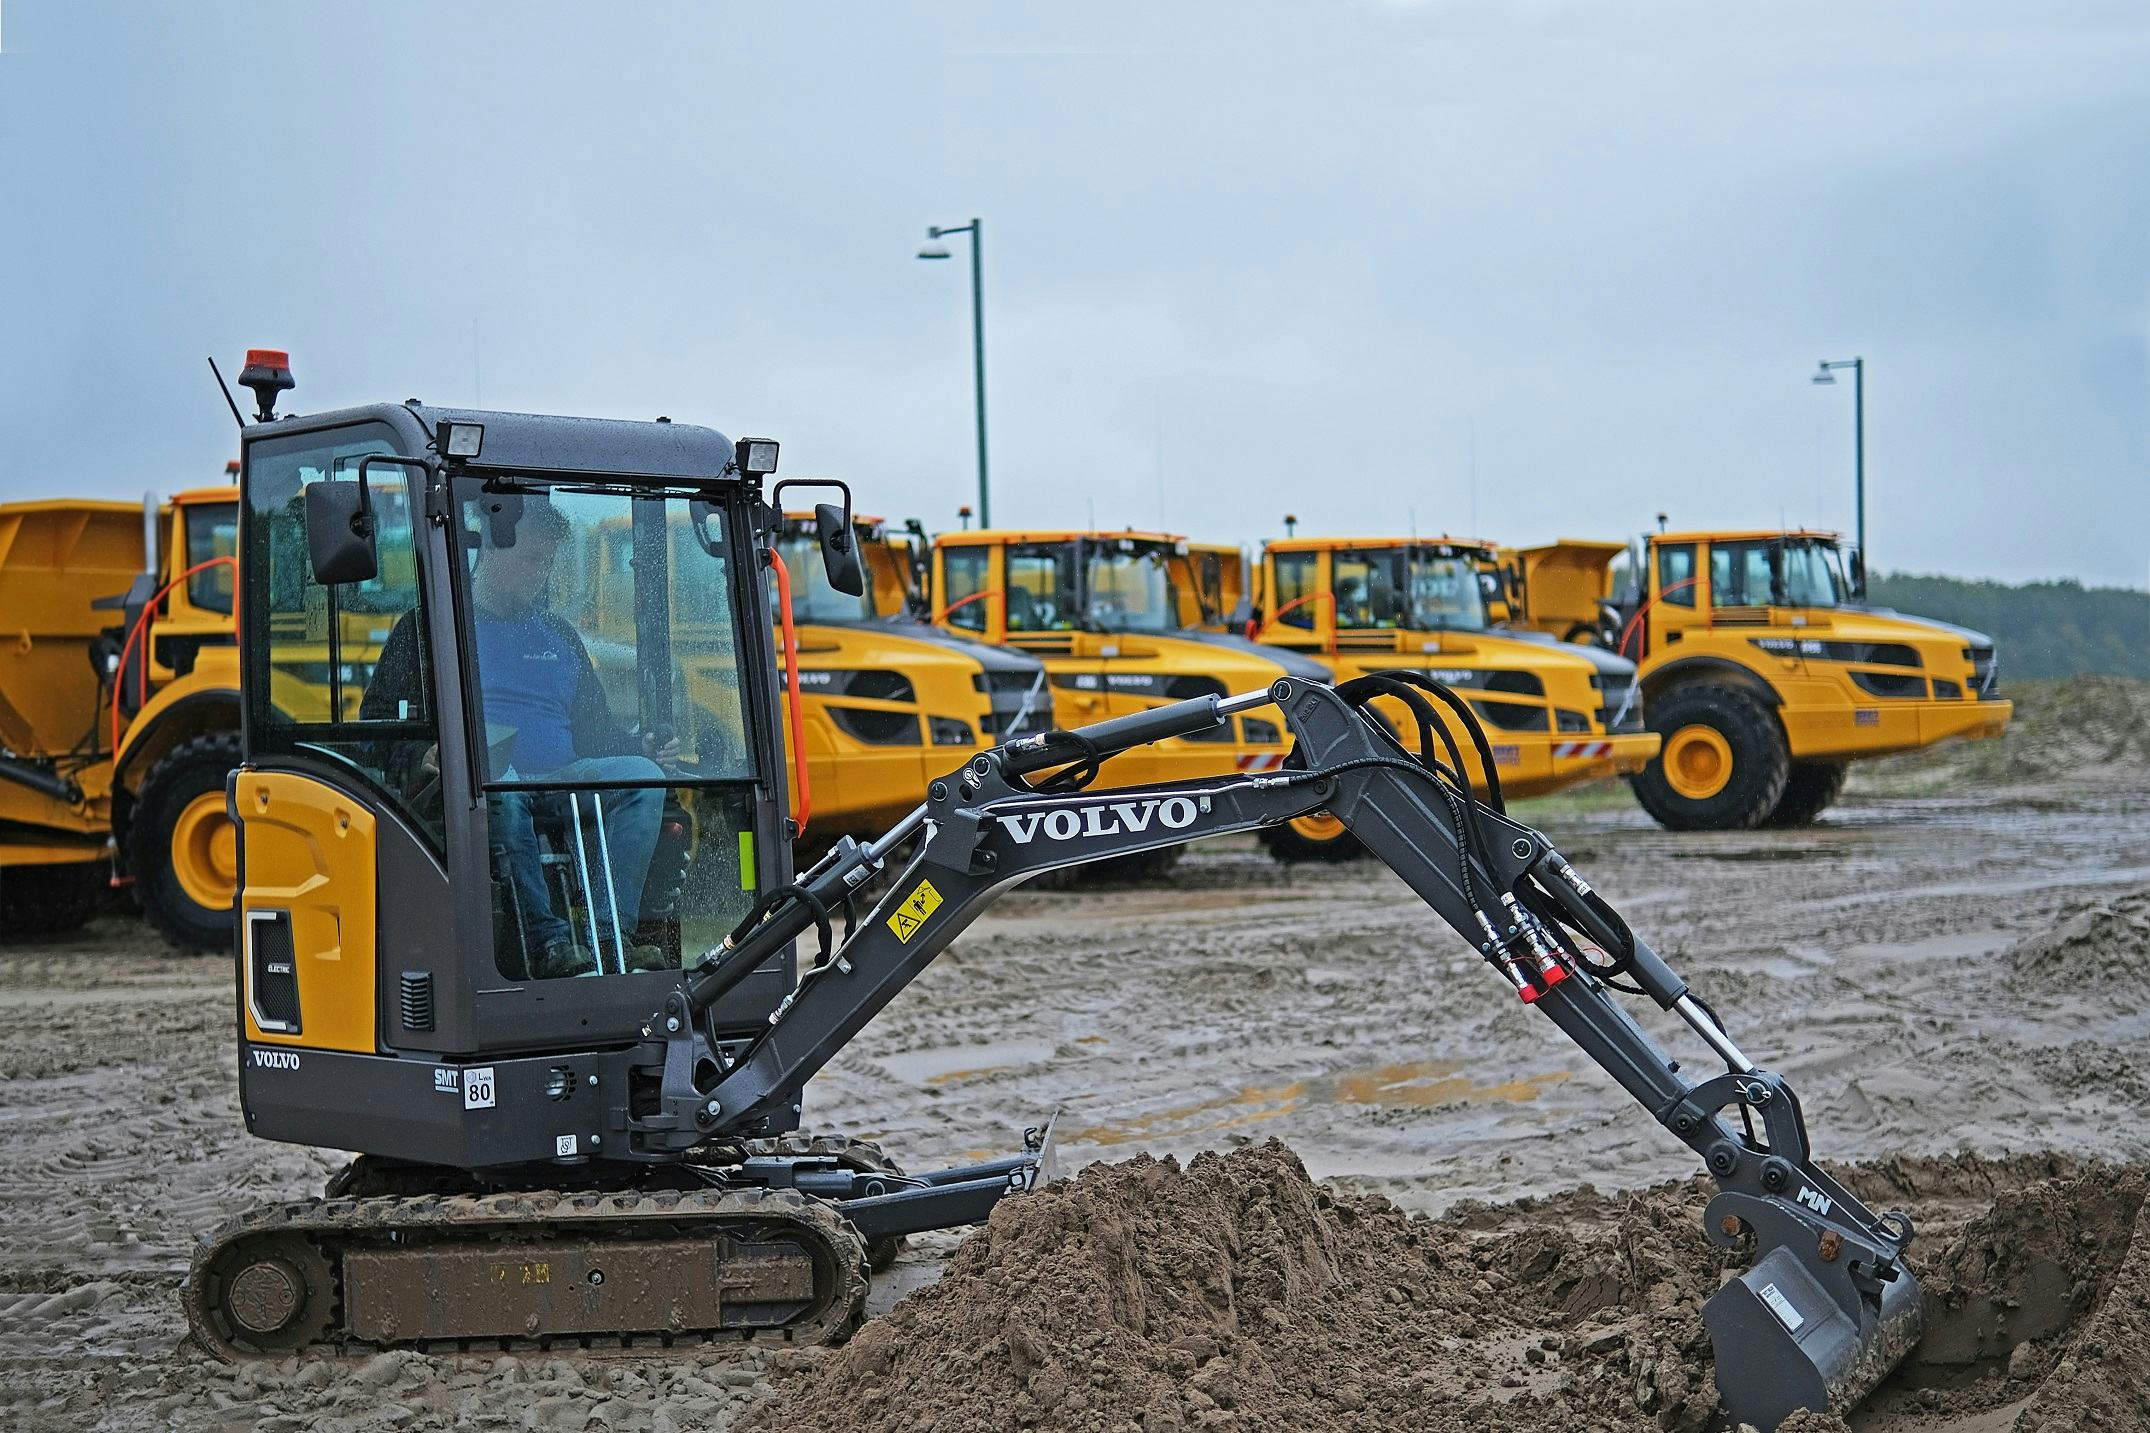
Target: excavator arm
{"x": 1825, "y": 1306}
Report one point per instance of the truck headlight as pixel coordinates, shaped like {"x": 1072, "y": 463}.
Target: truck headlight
{"x": 1572, "y": 721}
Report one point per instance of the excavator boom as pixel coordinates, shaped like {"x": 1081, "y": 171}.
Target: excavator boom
{"x": 1825, "y": 1307}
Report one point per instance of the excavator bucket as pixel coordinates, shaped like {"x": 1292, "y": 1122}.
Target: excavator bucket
{"x": 1785, "y": 1340}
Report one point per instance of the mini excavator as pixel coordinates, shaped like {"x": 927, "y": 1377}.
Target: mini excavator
{"x": 518, "y": 924}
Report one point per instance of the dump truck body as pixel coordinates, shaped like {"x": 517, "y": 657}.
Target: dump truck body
{"x": 126, "y": 682}
{"x": 1560, "y": 588}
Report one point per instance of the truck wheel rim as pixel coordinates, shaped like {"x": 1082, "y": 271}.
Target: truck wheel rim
{"x": 1320, "y": 826}
{"x": 1698, "y": 761}
{"x": 205, "y": 852}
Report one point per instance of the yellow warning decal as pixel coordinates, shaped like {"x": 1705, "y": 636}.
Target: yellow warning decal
{"x": 912, "y": 913}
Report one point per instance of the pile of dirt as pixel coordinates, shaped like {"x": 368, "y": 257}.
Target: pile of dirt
{"x": 2081, "y": 733}
{"x": 1235, "y": 1292}
{"x": 2100, "y": 947}
{"x": 2037, "y": 1295}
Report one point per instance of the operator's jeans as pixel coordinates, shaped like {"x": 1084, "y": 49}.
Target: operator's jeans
{"x": 629, "y": 835}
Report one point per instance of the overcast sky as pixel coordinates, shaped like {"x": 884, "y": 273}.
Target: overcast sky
{"x": 1523, "y": 269}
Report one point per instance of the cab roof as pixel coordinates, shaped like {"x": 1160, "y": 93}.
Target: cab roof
{"x": 542, "y": 443}
{"x": 1325, "y": 544}
{"x": 1744, "y": 535}
{"x": 989, "y": 535}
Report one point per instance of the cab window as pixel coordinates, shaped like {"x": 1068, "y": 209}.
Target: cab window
{"x": 1041, "y": 588}
{"x": 339, "y": 673}
{"x": 1739, "y": 575}
{"x": 963, "y": 575}
{"x": 1296, "y": 575}
{"x": 1676, "y": 574}
{"x": 212, "y": 532}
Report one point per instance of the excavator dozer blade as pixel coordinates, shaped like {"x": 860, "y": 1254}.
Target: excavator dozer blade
{"x": 1784, "y": 1343}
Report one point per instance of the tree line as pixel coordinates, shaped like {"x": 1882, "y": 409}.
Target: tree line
{"x": 2042, "y": 629}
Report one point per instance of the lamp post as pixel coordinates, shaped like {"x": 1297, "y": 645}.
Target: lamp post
{"x": 934, "y": 249}
{"x": 1825, "y": 377}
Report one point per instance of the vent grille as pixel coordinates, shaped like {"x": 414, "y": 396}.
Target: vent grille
{"x": 416, "y": 992}
{"x": 272, "y": 971}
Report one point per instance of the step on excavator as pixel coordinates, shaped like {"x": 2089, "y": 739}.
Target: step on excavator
{"x": 596, "y": 1139}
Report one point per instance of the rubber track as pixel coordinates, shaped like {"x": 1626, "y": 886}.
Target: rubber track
{"x": 329, "y": 1223}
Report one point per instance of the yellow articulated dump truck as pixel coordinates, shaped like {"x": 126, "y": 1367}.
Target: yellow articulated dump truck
{"x": 886, "y": 704}
{"x": 1763, "y": 669}
{"x": 118, "y": 712}
{"x": 1123, "y": 621}
{"x": 1556, "y": 714}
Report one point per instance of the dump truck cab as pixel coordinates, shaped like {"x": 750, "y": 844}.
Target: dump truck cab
{"x": 890, "y": 702}
{"x": 1556, "y": 714}
{"x": 1123, "y": 621}
{"x": 1766, "y": 674}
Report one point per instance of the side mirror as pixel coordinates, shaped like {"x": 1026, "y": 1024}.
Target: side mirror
{"x": 1776, "y": 574}
{"x": 840, "y": 549}
{"x": 832, "y": 523}
{"x": 339, "y": 531}
{"x": 1858, "y": 574}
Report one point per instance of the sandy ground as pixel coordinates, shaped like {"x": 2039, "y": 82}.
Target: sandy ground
{"x": 1874, "y": 960}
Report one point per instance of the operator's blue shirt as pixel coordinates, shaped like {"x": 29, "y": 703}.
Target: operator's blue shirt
{"x": 529, "y": 668}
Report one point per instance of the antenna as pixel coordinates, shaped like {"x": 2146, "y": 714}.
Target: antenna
{"x": 225, "y": 389}
{"x": 1157, "y": 414}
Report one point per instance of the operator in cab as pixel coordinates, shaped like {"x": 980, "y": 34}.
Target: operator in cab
{"x": 549, "y": 726}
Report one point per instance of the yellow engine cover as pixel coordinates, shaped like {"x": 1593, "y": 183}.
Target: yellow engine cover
{"x": 309, "y": 855}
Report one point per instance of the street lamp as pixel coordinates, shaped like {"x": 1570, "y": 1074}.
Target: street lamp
{"x": 934, "y": 249}
{"x": 1824, "y": 377}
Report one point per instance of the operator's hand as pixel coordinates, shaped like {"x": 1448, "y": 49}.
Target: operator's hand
{"x": 665, "y": 753}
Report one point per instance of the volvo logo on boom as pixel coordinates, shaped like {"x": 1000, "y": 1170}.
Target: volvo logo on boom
{"x": 275, "y": 1059}
{"x": 1117, "y": 818}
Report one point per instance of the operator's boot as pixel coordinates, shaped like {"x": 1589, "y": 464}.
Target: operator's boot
{"x": 649, "y": 957}
{"x": 559, "y": 959}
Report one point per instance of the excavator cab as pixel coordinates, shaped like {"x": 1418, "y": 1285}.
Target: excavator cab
{"x": 512, "y": 752}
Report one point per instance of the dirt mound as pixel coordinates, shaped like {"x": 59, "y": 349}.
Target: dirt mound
{"x": 1237, "y": 1293}
{"x": 2035, "y": 1292}
{"x": 1231, "y": 1292}
{"x": 2081, "y": 733}
{"x": 2097, "y": 947}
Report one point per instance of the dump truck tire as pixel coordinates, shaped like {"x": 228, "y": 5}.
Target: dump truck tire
{"x": 1723, "y": 766}
{"x": 1812, "y": 788}
{"x": 50, "y": 900}
{"x": 182, "y": 847}
{"x": 1319, "y": 837}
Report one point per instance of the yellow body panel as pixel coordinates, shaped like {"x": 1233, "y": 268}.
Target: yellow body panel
{"x": 310, "y": 851}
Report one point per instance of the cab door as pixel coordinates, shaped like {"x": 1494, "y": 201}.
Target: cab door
{"x": 1679, "y": 593}
{"x": 967, "y": 589}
